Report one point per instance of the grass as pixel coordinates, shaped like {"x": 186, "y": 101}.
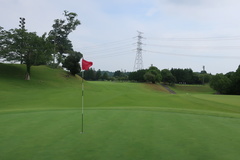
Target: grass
{"x": 118, "y": 134}
{"x": 41, "y": 119}
{"x": 181, "y": 88}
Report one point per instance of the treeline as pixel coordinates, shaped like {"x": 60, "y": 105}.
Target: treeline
{"x": 175, "y": 75}
{"x": 153, "y": 75}
{"x": 227, "y": 83}
{"x": 99, "y": 75}
{"x": 223, "y": 83}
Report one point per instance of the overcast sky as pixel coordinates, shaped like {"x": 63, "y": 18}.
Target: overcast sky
{"x": 177, "y": 33}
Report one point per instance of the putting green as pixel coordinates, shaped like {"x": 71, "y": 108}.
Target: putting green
{"x": 117, "y": 134}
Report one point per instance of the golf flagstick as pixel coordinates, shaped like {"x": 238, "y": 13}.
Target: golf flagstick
{"x": 84, "y": 66}
{"x": 82, "y": 98}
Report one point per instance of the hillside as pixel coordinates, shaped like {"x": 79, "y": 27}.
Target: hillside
{"x": 56, "y": 89}
{"x": 41, "y": 77}
{"x": 198, "y": 89}
{"x": 48, "y": 88}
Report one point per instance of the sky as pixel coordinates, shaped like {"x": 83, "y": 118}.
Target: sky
{"x": 175, "y": 33}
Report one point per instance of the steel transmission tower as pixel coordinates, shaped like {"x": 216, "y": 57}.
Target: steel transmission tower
{"x": 138, "y": 60}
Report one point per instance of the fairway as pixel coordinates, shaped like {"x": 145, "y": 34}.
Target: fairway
{"x": 41, "y": 119}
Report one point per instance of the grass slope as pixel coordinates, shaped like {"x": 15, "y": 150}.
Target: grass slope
{"x": 41, "y": 119}
{"x": 181, "y": 88}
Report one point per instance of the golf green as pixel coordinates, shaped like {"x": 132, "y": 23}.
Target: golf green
{"x": 117, "y": 134}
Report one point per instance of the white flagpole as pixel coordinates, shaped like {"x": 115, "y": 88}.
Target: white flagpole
{"x": 82, "y": 98}
{"x": 82, "y": 91}
{"x": 89, "y": 63}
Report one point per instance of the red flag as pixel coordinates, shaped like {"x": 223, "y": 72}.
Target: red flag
{"x": 85, "y": 65}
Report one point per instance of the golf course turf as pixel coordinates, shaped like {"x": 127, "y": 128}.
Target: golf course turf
{"x": 41, "y": 119}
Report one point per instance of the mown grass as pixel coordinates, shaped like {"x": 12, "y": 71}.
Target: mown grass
{"x": 118, "y": 134}
{"x": 41, "y": 119}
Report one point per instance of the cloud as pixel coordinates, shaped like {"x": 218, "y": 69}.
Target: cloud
{"x": 185, "y": 2}
{"x": 152, "y": 11}
{"x": 108, "y": 21}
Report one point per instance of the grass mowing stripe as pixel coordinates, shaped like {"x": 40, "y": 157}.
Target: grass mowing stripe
{"x": 136, "y": 108}
{"x": 119, "y": 134}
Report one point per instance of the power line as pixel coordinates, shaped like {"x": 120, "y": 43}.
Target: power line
{"x": 196, "y": 38}
{"x": 191, "y": 55}
{"x": 124, "y": 47}
{"x": 108, "y": 49}
{"x": 111, "y": 55}
{"x": 195, "y": 47}
{"x": 114, "y": 51}
{"x": 106, "y": 43}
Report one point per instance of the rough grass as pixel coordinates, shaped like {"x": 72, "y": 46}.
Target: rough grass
{"x": 181, "y": 88}
{"x": 41, "y": 119}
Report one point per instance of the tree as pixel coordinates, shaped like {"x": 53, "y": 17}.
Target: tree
{"x": 119, "y": 75}
{"x": 98, "y": 74}
{"x": 11, "y": 44}
{"x": 230, "y": 74}
{"x": 90, "y": 74}
{"x": 188, "y": 75}
{"x": 196, "y": 78}
{"x": 36, "y": 51}
{"x": 149, "y": 77}
{"x": 138, "y": 75}
{"x": 228, "y": 83}
{"x": 26, "y": 47}
{"x": 236, "y": 82}
{"x": 3, "y": 41}
{"x": 59, "y": 34}
{"x": 178, "y": 74}
{"x": 221, "y": 83}
{"x": 204, "y": 77}
{"x": 183, "y": 75}
{"x": 153, "y": 75}
{"x": 156, "y": 72}
{"x": 72, "y": 62}
{"x": 105, "y": 76}
{"x": 167, "y": 76}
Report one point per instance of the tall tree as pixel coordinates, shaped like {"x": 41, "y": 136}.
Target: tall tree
{"x": 60, "y": 32}
{"x": 3, "y": 41}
